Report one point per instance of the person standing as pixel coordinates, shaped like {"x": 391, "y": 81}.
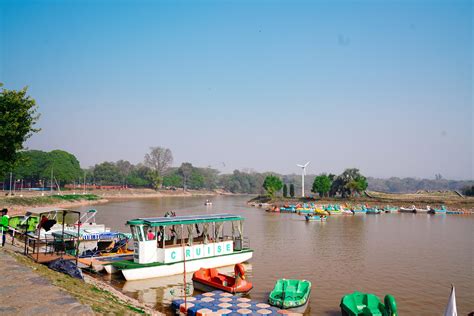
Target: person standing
{"x": 4, "y": 225}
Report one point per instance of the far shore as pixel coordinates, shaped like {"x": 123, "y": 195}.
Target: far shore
{"x": 22, "y": 201}
{"x": 421, "y": 199}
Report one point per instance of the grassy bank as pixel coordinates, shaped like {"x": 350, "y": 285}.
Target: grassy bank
{"x": 421, "y": 199}
{"x": 101, "y": 301}
{"x": 45, "y": 200}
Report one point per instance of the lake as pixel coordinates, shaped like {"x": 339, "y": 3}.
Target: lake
{"x": 415, "y": 257}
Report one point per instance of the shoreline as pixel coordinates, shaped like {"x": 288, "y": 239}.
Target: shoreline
{"x": 19, "y": 204}
{"x": 380, "y": 199}
{"x": 106, "y": 298}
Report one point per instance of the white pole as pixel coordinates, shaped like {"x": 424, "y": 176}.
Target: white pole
{"x": 302, "y": 183}
{"x": 84, "y": 190}
{"x": 51, "y": 180}
{"x": 10, "y": 184}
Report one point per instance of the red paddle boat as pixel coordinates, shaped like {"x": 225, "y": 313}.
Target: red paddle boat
{"x": 207, "y": 280}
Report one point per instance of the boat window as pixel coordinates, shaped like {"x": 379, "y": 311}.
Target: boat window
{"x": 148, "y": 233}
{"x": 190, "y": 234}
{"x": 137, "y": 232}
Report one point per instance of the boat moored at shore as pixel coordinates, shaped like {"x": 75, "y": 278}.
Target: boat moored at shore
{"x": 168, "y": 245}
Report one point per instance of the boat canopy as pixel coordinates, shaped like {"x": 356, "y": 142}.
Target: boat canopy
{"x": 185, "y": 220}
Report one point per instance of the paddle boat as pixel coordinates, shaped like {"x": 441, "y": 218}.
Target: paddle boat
{"x": 23, "y": 223}
{"x": 411, "y": 209}
{"x": 333, "y": 209}
{"x": 390, "y": 209}
{"x": 315, "y": 218}
{"x": 456, "y": 212}
{"x": 292, "y": 295}
{"x": 168, "y": 245}
{"x": 373, "y": 211}
{"x": 361, "y": 304}
{"x": 208, "y": 202}
{"x": 273, "y": 209}
{"x": 442, "y": 210}
{"x": 207, "y": 280}
{"x": 288, "y": 208}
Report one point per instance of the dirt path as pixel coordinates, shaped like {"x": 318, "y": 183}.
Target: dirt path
{"x": 24, "y": 292}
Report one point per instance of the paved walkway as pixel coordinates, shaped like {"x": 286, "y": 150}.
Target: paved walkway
{"x": 23, "y": 292}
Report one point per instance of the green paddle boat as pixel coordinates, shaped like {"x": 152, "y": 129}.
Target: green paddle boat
{"x": 361, "y": 304}
{"x": 291, "y": 294}
{"x": 25, "y": 223}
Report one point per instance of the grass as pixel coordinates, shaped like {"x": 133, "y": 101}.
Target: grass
{"x": 45, "y": 200}
{"x": 101, "y": 301}
{"x": 78, "y": 197}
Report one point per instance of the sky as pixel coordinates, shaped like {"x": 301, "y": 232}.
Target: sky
{"x": 383, "y": 86}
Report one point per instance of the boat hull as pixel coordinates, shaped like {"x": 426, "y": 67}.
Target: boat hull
{"x": 208, "y": 288}
{"x": 191, "y": 266}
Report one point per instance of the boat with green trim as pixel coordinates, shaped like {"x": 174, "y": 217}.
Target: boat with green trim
{"x": 166, "y": 246}
{"x": 373, "y": 211}
{"x": 23, "y": 223}
{"x": 362, "y": 304}
{"x": 291, "y": 294}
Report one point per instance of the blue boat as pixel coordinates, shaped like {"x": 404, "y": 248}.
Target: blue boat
{"x": 440, "y": 211}
{"x": 290, "y": 209}
{"x": 373, "y": 211}
{"x": 315, "y": 218}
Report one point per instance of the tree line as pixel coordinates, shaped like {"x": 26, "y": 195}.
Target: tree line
{"x": 349, "y": 183}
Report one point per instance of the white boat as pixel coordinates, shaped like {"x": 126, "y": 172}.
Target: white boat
{"x": 451, "y": 308}
{"x": 66, "y": 225}
{"x": 411, "y": 209}
{"x": 166, "y": 246}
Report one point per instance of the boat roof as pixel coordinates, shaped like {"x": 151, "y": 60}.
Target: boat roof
{"x": 185, "y": 220}
{"x": 38, "y": 210}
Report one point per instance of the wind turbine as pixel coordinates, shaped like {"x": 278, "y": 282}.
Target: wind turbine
{"x": 303, "y": 173}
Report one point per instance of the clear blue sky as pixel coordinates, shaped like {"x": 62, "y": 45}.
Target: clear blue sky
{"x": 385, "y": 86}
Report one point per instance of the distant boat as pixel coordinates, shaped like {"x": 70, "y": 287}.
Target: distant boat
{"x": 208, "y": 202}
{"x": 451, "y": 309}
{"x": 315, "y": 218}
{"x": 442, "y": 210}
{"x": 407, "y": 209}
{"x": 373, "y": 211}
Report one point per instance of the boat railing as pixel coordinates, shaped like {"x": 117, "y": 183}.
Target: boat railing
{"x": 241, "y": 243}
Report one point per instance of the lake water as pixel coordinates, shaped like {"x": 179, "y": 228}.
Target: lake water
{"x": 415, "y": 257}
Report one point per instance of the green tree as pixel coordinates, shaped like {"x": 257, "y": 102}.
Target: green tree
{"x": 322, "y": 185}
{"x": 124, "y": 168}
{"x": 272, "y": 184}
{"x": 64, "y": 165}
{"x": 285, "y": 190}
{"x": 138, "y": 176}
{"x": 107, "y": 173}
{"x": 30, "y": 165}
{"x": 155, "y": 179}
{"x": 196, "y": 180}
{"x": 349, "y": 182}
{"x": 292, "y": 190}
{"x": 173, "y": 179}
{"x": 17, "y": 120}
